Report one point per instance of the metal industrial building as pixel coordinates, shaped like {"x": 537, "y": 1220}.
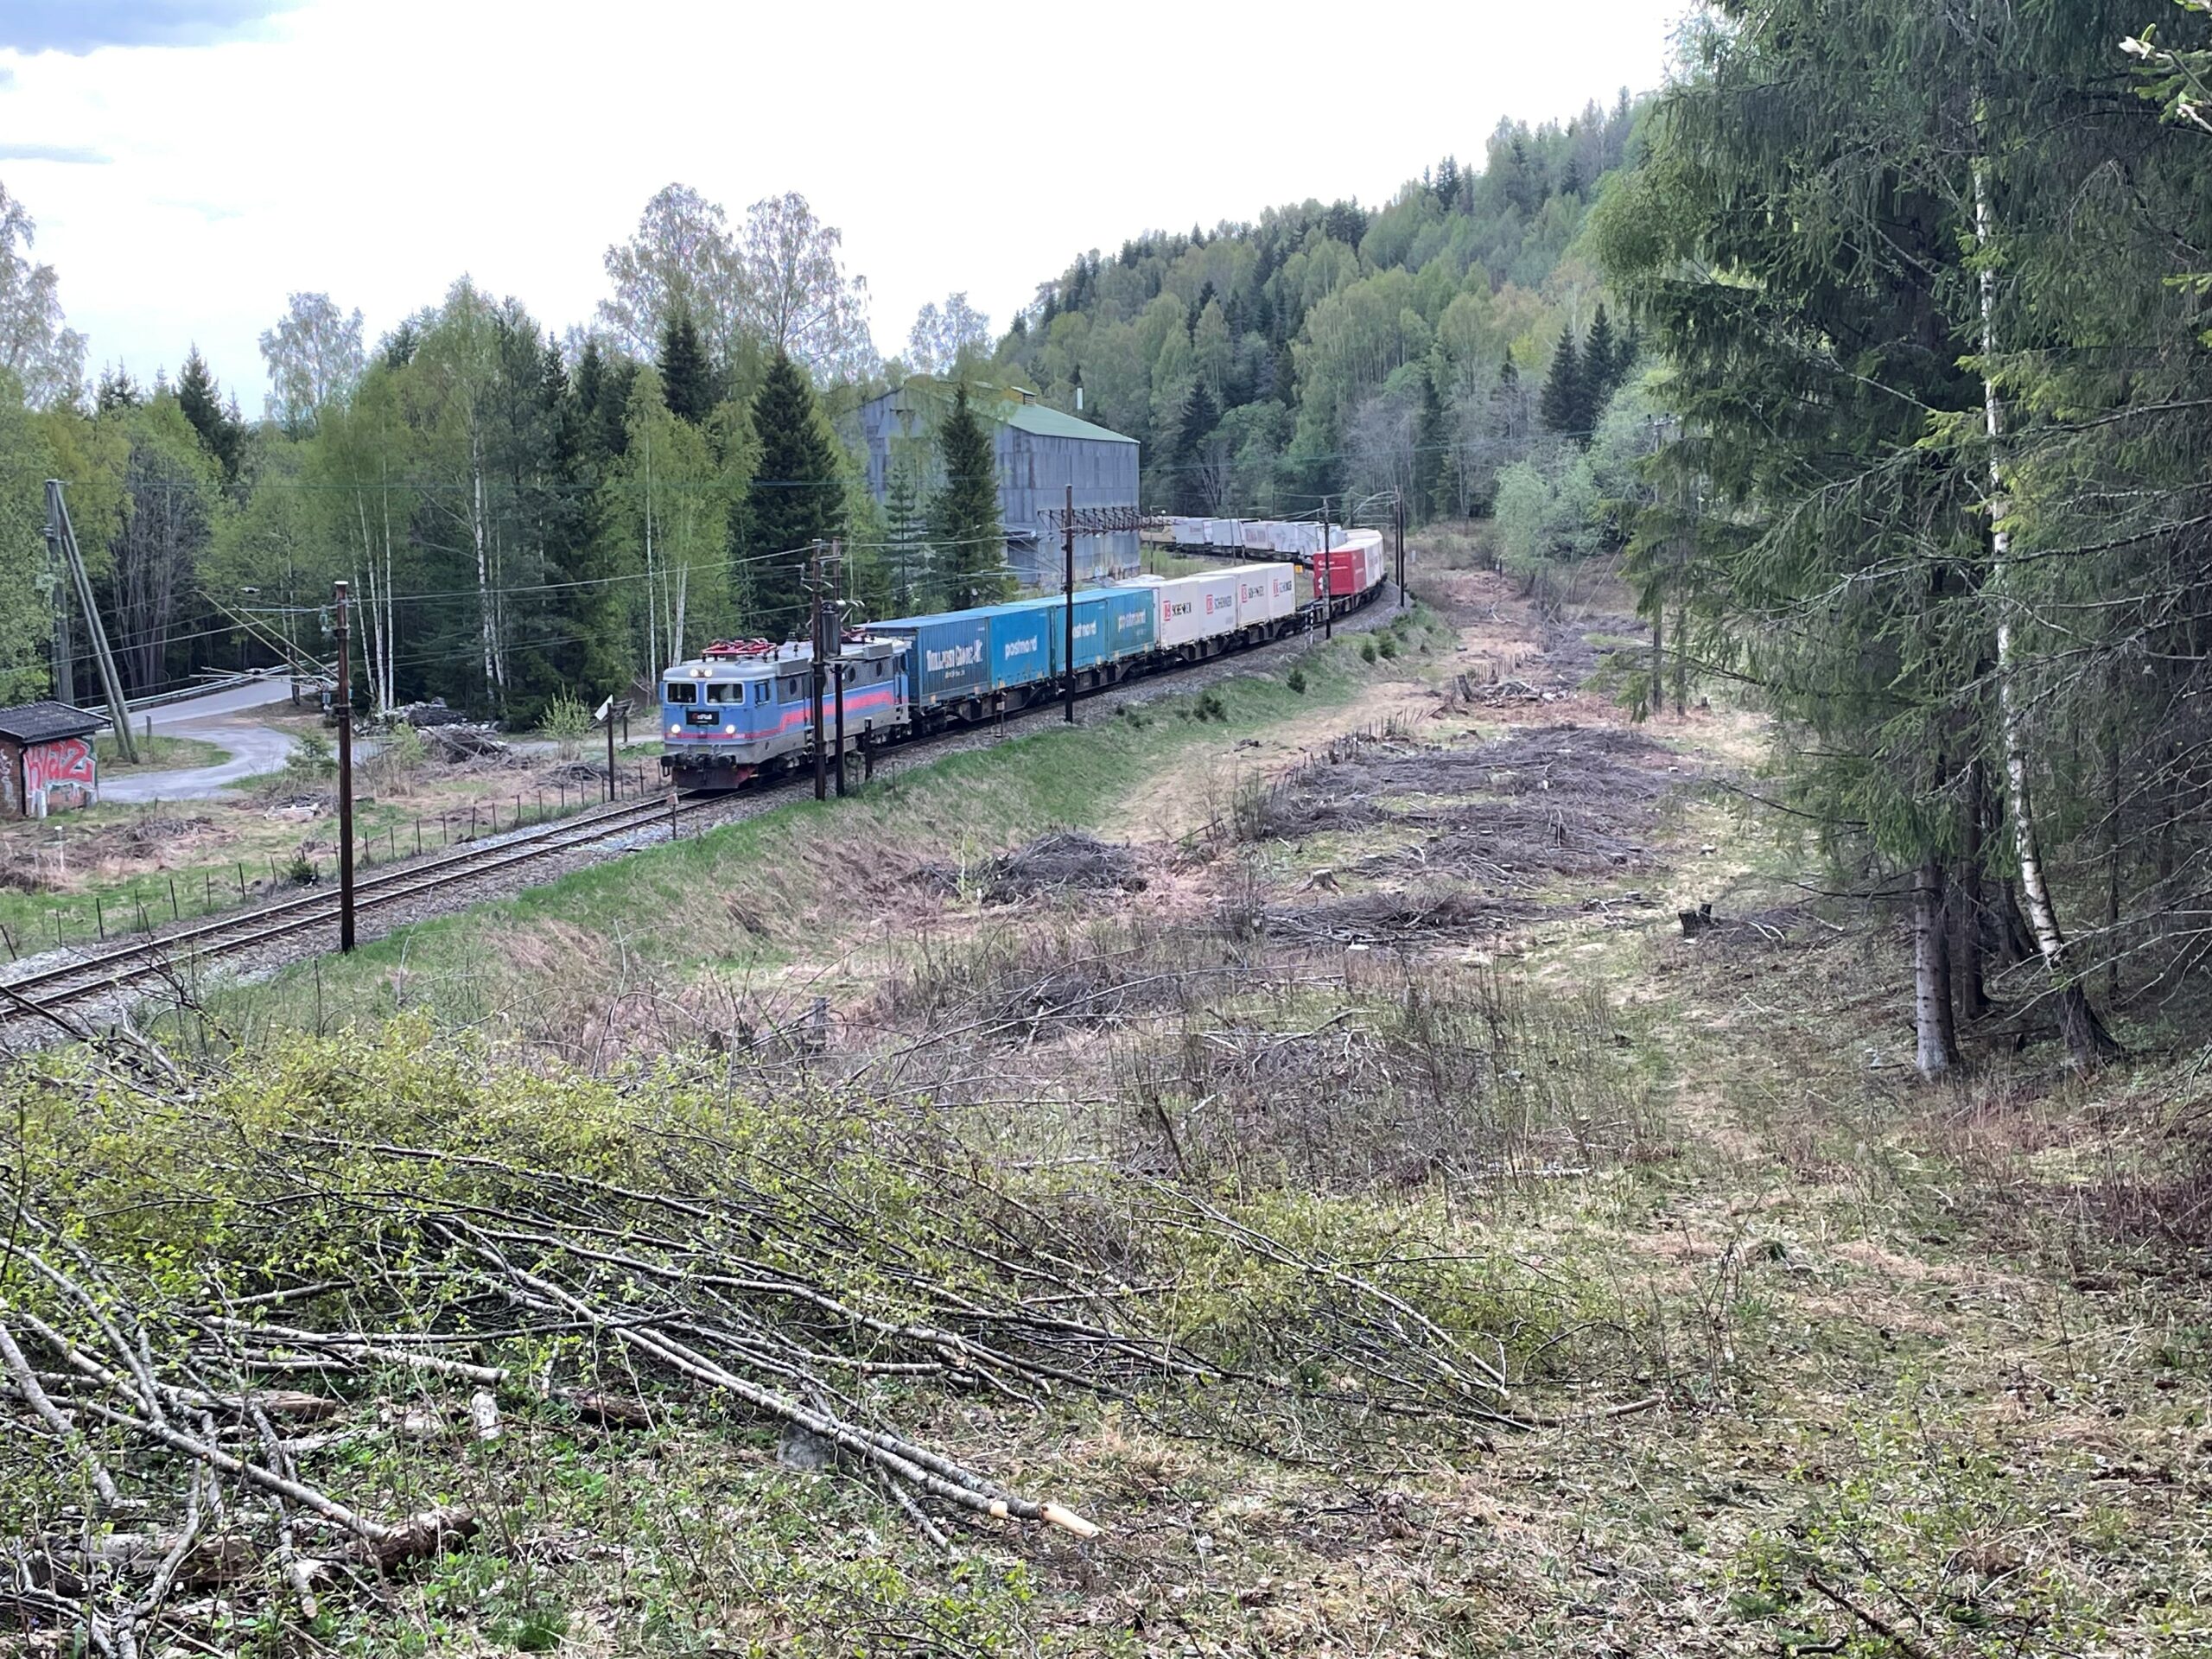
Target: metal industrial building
{"x": 1040, "y": 452}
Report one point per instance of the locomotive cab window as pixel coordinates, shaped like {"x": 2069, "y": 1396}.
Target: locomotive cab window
{"x": 682, "y": 691}
{"x": 723, "y": 693}
{"x": 764, "y": 691}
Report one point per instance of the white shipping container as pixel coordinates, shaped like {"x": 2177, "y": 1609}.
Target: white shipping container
{"x": 1264, "y": 593}
{"x": 1197, "y": 608}
{"x": 1256, "y": 539}
{"x": 1226, "y": 532}
{"x": 1187, "y": 532}
{"x": 1367, "y": 545}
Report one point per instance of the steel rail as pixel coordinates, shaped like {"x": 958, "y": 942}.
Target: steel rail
{"x": 242, "y": 931}
{"x": 149, "y": 957}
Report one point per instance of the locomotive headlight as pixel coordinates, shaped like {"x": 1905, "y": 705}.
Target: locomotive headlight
{"x": 675, "y": 731}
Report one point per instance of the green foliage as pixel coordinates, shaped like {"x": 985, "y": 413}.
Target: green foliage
{"x": 1296, "y": 325}
{"x": 566, "y": 718}
{"x": 906, "y": 556}
{"x": 687, "y": 380}
{"x": 1565, "y": 404}
{"x": 795, "y": 498}
{"x": 967, "y": 541}
{"x": 1296, "y": 681}
{"x": 219, "y": 428}
{"x": 1932, "y": 463}
{"x": 313, "y": 760}
{"x": 27, "y": 582}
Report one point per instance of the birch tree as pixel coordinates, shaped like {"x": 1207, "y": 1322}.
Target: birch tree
{"x": 681, "y": 260}
{"x": 46, "y": 357}
{"x": 797, "y": 298}
{"x": 314, "y": 358}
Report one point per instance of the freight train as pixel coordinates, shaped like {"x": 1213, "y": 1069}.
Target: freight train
{"x": 742, "y": 709}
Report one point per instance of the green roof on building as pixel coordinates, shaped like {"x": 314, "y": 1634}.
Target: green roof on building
{"x": 1052, "y": 424}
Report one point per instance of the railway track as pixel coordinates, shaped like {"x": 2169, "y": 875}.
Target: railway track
{"x": 45, "y": 995}
{"x": 51, "y": 989}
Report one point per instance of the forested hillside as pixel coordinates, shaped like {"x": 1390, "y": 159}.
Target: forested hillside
{"x": 1338, "y": 349}
{"x": 1928, "y": 287}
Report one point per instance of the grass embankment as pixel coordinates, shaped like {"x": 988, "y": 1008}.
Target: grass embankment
{"x": 79, "y": 876}
{"x": 1807, "y": 1358}
{"x": 781, "y": 890}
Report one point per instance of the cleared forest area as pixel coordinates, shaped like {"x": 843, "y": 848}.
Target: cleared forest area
{"x": 1354, "y": 1192}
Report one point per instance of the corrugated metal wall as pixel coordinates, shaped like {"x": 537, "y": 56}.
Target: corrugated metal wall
{"x": 1035, "y": 473}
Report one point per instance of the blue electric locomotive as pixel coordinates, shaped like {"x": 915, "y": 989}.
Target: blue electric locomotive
{"x": 742, "y": 708}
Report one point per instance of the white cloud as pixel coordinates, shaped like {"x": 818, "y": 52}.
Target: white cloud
{"x": 378, "y": 149}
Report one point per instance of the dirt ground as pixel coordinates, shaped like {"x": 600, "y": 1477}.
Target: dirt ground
{"x": 1803, "y": 1359}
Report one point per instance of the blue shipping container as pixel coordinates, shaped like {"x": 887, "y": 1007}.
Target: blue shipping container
{"x": 1022, "y": 645}
{"x": 1092, "y": 625}
{"x": 949, "y": 658}
{"x": 1131, "y": 622}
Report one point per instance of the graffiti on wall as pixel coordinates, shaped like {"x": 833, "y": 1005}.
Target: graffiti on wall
{"x": 60, "y": 773}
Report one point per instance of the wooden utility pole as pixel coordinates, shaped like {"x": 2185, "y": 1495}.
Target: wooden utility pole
{"x": 814, "y": 676}
{"x": 610, "y": 745}
{"x": 63, "y": 538}
{"x": 342, "y": 705}
{"x": 836, "y": 630}
{"x": 1067, "y": 543}
{"x": 1328, "y": 618}
{"x": 1398, "y": 520}
{"x": 65, "y": 677}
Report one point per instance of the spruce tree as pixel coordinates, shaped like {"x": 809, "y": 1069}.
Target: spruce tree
{"x": 1506, "y": 399}
{"x": 201, "y": 400}
{"x": 965, "y": 526}
{"x": 1602, "y": 368}
{"x": 795, "y": 499}
{"x": 1432, "y": 442}
{"x": 1188, "y": 487}
{"x": 1563, "y": 404}
{"x": 687, "y": 380}
{"x": 603, "y": 382}
{"x": 907, "y": 564}
{"x": 590, "y": 651}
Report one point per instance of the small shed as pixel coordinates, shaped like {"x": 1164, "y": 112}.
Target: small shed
{"x": 46, "y": 762}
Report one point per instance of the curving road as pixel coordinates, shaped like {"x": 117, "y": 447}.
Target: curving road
{"x": 222, "y": 718}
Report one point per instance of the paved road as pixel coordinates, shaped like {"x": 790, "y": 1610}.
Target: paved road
{"x": 254, "y": 750}
{"x": 222, "y": 718}
{"x": 234, "y": 700}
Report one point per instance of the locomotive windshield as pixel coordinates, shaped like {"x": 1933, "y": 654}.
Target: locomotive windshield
{"x": 682, "y": 691}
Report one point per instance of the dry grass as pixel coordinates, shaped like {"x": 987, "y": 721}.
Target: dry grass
{"x": 1809, "y": 1353}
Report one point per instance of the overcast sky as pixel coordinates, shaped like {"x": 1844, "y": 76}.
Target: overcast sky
{"x": 190, "y": 162}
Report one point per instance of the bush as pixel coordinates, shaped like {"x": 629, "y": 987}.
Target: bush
{"x": 1388, "y": 645}
{"x": 1297, "y": 680}
{"x": 568, "y": 721}
{"x": 312, "y": 760}
{"x": 400, "y": 752}
{"x": 1210, "y": 707}
{"x": 1367, "y": 651}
